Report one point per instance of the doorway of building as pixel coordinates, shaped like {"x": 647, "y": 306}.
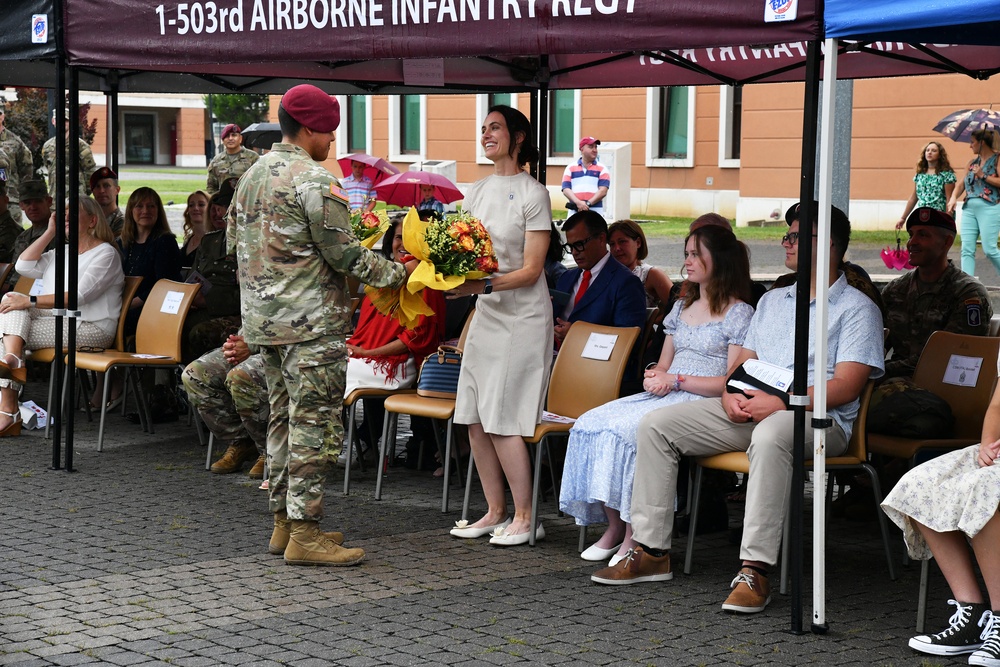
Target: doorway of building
{"x": 140, "y": 138}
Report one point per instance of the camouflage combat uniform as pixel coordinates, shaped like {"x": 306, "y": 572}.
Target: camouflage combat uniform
{"x": 208, "y": 326}
{"x": 290, "y": 230}
{"x": 224, "y": 166}
{"x": 21, "y": 168}
{"x": 21, "y": 243}
{"x": 957, "y": 302}
{"x": 116, "y": 221}
{"x": 9, "y": 231}
{"x": 231, "y": 399}
{"x": 87, "y": 165}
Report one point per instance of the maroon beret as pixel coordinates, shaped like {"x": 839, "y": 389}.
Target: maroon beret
{"x": 100, "y": 175}
{"x": 930, "y": 217}
{"x": 229, "y": 129}
{"x": 312, "y": 108}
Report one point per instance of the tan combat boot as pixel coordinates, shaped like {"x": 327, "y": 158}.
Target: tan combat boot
{"x": 308, "y": 546}
{"x": 257, "y": 471}
{"x": 282, "y": 530}
{"x": 234, "y": 458}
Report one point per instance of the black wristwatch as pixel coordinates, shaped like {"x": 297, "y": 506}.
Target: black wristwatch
{"x": 33, "y": 300}
{"x": 488, "y": 287}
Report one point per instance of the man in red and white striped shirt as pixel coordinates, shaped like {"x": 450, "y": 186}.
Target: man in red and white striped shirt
{"x": 586, "y": 183}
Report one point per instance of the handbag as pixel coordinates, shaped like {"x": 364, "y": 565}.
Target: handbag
{"x": 439, "y": 373}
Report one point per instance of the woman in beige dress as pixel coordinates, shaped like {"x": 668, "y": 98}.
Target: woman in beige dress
{"x": 505, "y": 366}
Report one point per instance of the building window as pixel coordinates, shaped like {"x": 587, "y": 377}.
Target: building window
{"x": 499, "y": 98}
{"x": 670, "y": 126}
{"x": 407, "y": 128}
{"x": 562, "y": 123}
{"x": 409, "y": 124}
{"x": 357, "y": 130}
{"x": 730, "y": 125}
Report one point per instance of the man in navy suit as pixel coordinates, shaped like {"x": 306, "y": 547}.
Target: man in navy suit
{"x": 601, "y": 290}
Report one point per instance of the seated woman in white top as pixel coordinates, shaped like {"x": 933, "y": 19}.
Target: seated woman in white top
{"x": 27, "y": 323}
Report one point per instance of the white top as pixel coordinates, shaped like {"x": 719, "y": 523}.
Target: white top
{"x": 100, "y": 283}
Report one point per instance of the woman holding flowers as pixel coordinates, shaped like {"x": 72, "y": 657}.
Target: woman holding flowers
{"x": 505, "y": 366}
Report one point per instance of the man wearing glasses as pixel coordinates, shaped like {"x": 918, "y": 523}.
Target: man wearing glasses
{"x": 756, "y": 422}
{"x": 601, "y": 290}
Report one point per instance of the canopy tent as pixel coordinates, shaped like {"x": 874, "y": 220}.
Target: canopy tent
{"x": 435, "y": 46}
{"x": 951, "y": 21}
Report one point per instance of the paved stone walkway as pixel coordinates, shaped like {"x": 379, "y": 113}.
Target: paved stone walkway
{"x": 143, "y": 557}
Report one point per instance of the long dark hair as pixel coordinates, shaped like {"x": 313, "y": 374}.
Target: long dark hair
{"x": 129, "y": 228}
{"x": 730, "y": 275}
{"x": 517, "y": 123}
{"x": 390, "y": 234}
{"x": 943, "y": 163}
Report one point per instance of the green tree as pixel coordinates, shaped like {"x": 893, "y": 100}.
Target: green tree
{"x": 240, "y": 109}
{"x": 28, "y": 117}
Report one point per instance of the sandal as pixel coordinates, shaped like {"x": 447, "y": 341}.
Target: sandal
{"x": 18, "y": 373}
{"x": 14, "y": 428}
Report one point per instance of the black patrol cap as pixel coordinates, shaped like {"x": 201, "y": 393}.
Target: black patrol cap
{"x": 224, "y": 196}
{"x": 931, "y": 217}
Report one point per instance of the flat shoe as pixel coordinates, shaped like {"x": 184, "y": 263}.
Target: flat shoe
{"x": 596, "y": 553}
{"x": 470, "y": 532}
{"x": 501, "y": 539}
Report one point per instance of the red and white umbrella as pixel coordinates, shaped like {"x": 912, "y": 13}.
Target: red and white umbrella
{"x": 404, "y": 189}
{"x": 376, "y": 168}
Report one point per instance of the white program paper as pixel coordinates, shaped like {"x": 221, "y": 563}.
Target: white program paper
{"x": 962, "y": 371}
{"x": 774, "y": 376}
{"x": 599, "y": 346}
{"x": 558, "y": 419}
{"x": 37, "y": 288}
{"x": 172, "y": 303}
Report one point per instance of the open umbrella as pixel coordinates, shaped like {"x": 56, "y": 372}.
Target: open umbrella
{"x": 376, "y": 168}
{"x": 960, "y": 125}
{"x": 404, "y": 189}
{"x": 899, "y": 258}
{"x": 261, "y": 135}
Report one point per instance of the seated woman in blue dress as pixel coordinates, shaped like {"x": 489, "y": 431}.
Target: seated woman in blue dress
{"x": 704, "y": 333}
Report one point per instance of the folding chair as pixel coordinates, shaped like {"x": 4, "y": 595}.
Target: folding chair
{"x": 157, "y": 342}
{"x": 46, "y": 355}
{"x": 578, "y": 383}
{"x": 855, "y": 458}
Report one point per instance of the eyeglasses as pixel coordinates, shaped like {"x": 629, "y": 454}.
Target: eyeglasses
{"x": 791, "y": 238}
{"x": 90, "y": 349}
{"x": 578, "y": 246}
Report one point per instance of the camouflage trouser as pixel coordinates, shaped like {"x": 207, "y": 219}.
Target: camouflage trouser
{"x": 232, "y": 400}
{"x": 306, "y": 387}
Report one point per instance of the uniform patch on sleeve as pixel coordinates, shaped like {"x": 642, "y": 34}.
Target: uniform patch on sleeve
{"x": 973, "y": 312}
{"x": 339, "y": 193}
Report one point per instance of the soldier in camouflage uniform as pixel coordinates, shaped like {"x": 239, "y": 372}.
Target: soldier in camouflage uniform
{"x": 87, "y": 164}
{"x": 37, "y": 206}
{"x": 228, "y": 389}
{"x": 231, "y": 163}
{"x": 105, "y": 189}
{"x": 936, "y": 296}
{"x": 215, "y": 312}
{"x": 9, "y": 230}
{"x": 289, "y": 226}
{"x": 21, "y": 166}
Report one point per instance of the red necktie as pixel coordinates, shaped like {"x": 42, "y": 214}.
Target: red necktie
{"x": 584, "y": 284}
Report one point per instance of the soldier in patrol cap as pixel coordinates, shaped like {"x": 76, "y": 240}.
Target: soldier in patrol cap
{"x": 9, "y": 230}
{"x": 37, "y": 207}
{"x": 289, "y": 227}
{"x": 87, "y": 164}
{"x": 935, "y": 296}
{"x": 230, "y": 163}
{"x": 21, "y": 166}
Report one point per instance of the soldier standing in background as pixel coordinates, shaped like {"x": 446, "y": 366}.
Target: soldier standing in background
{"x": 87, "y": 164}
{"x": 232, "y": 163}
{"x": 289, "y": 227}
{"x": 20, "y": 168}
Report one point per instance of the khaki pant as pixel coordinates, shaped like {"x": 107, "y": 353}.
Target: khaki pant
{"x": 702, "y": 428}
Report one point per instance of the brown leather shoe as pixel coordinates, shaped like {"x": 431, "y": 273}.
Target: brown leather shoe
{"x": 637, "y": 567}
{"x": 234, "y": 458}
{"x": 282, "y": 531}
{"x": 751, "y": 592}
{"x": 257, "y": 471}
{"x": 308, "y": 546}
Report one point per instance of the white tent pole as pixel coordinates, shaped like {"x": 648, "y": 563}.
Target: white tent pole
{"x": 828, "y": 109}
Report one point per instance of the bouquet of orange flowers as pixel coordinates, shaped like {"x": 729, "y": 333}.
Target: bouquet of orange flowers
{"x": 369, "y": 226}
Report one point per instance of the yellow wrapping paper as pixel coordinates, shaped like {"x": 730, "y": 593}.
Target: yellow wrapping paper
{"x": 404, "y": 303}
{"x": 426, "y": 275}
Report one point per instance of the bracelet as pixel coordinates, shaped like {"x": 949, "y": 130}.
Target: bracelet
{"x": 677, "y": 382}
